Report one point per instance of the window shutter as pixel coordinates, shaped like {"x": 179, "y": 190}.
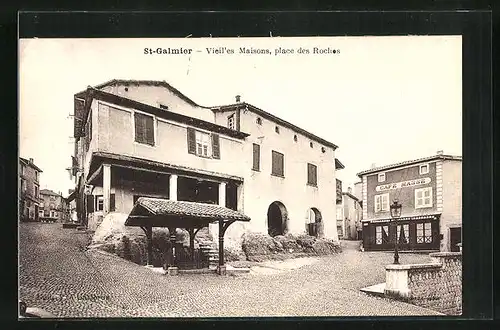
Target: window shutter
{"x": 112, "y": 203}
{"x": 256, "y": 157}
{"x": 191, "y": 140}
{"x": 90, "y": 203}
{"x": 215, "y": 146}
{"x": 149, "y": 126}
{"x": 139, "y": 128}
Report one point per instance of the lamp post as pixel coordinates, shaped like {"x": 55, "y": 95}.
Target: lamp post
{"x": 395, "y": 214}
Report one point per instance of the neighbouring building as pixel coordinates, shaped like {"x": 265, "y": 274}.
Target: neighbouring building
{"x": 339, "y": 208}
{"x": 430, "y": 191}
{"x": 53, "y": 207}
{"x": 71, "y": 202}
{"x": 145, "y": 138}
{"x": 29, "y": 190}
{"x": 351, "y": 216}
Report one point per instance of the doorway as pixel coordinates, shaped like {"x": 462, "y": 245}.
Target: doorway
{"x": 455, "y": 238}
{"x": 276, "y": 219}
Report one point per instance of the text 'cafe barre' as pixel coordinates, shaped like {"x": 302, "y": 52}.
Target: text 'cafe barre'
{"x": 403, "y": 184}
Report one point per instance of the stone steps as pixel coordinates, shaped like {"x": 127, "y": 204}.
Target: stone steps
{"x": 210, "y": 250}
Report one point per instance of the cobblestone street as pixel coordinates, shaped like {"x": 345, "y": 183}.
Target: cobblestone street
{"x": 60, "y": 276}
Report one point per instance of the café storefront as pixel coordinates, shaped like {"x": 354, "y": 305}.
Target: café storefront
{"x": 413, "y": 233}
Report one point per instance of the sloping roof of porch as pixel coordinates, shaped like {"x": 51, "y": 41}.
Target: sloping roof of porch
{"x": 157, "y": 212}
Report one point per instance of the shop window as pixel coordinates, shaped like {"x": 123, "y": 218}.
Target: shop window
{"x": 423, "y": 197}
{"x": 382, "y": 203}
{"x": 381, "y": 234}
{"x": 405, "y": 239}
{"x": 381, "y": 177}
{"x": 424, "y": 233}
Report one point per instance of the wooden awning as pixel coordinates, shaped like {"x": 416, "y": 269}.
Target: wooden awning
{"x": 157, "y": 212}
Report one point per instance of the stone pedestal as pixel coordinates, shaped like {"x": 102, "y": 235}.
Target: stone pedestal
{"x": 173, "y": 270}
{"x": 221, "y": 270}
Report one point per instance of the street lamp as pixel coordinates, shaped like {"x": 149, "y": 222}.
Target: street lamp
{"x": 395, "y": 214}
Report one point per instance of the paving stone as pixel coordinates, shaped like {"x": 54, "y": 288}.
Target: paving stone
{"x": 59, "y": 275}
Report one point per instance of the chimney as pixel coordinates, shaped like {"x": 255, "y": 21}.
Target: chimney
{"x": 440, "y": 152}
{"x": 31, "y": 160}
{"x": 238, "y": 97}
{"x": 374, "y": 165}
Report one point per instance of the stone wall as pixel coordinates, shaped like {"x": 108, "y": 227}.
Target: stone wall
{"x": 439, "y": 288}
{"x": 436, "y": 285}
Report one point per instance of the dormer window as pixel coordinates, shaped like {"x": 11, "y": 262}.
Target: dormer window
{"x": 230, "y": 121}
{"x": 424, "y": 169}
{"x": 381, "y": 177}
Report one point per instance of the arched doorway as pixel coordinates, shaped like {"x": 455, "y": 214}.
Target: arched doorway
{"x": 276, "y": 219}
{"x": 314, "y": 225}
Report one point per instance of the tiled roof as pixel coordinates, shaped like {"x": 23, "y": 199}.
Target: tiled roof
{"x": 272, "y": 117}
{"x": 409, "y": 162}
{"x": 48, "y": 192}
{"x": 27, "y": 162}
{"x": 166, "y": 207}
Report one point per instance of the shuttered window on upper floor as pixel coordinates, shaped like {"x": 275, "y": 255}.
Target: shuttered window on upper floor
{"x": 144, "y": 129}
{"x": 203, "y": 144}
{"x": 278, "y": 164}
{"x": 256, "y": 157}
{"x": 312, "y": 174}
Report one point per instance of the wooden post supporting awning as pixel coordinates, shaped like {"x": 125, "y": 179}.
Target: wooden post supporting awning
{"x": 156, "y": 212}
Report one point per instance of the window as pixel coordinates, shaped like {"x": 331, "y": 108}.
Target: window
{"x": 230, "y": 121}
{"x": 99, "y": 203}
{"x": 40, "y": 213}
{"x": 295, "y": 138}
{"x": 256, "y": 157}
{"x": 144, "y": 129}
{"x": 23, "y": 185}
{"x": 339, "y": 213}
{"x": 277, "y": 129}
{"x": 311, "y": 144}
{"x": 405, "y": 239}
{"x": 53, "y": 214}
{"x": 277, "y": 164}
{"x": 163, "y": 106}
{"x": 259, "y": 121}
{"x": 381, "y": 234}
{"x": 36, "y": 176}
{"x": 423, "y": 197}
{"x": 203, "y": 144}
{"x": 424, "y": 233}
{"x": 382, "y": 203}
{"x": 323, "y": 150}
{"x": 312, "y": 174}
{"x": 36, "y": 192}
{"x": 23, "y": 169}
{"x": 424, "y": 169}
{"x": 381, "y": 177}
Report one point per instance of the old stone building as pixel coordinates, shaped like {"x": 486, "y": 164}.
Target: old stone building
{"x": 53, "y": 207}
{"x": 350, "y": 213}
{"x": 29, "y": 190}
{"x": 145, "y": 138}
{"x": 430, "y": 191}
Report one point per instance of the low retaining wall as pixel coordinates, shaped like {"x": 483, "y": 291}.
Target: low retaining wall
{"x": 436, "y": 285}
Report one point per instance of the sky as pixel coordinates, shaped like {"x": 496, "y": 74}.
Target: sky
{"x": 380, "y": 99}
